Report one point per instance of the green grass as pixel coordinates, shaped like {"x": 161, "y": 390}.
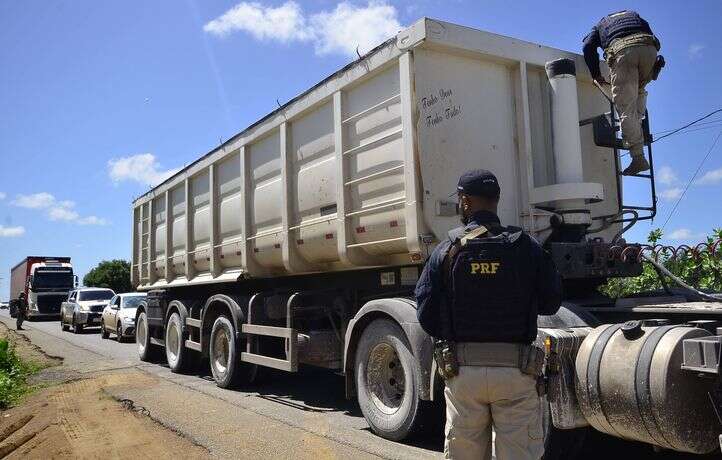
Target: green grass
{"x": 14, "y": 373}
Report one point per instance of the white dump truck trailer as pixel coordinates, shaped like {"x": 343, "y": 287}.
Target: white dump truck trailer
{"x": 299, "y": 240}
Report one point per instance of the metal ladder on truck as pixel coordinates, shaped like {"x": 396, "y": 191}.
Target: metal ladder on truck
{"x": 298, "y": 303}
{"x": 605, "y": 128}
{"x": 290, "y": 364}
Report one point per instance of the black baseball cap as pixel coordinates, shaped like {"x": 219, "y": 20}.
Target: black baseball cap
{"x": 479, "y": 182}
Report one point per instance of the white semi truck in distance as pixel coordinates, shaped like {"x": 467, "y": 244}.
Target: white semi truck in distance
{"x": 299, "y": 241}
{"x": 45, "y": 281}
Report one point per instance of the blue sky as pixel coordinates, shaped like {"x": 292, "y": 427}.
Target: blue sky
{"x": 94, "y": 94}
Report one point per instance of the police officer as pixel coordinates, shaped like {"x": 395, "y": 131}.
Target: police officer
{"x": 630, "y": 49}
{"x": 22, "y": 305}
{"x": 479, "y": 296}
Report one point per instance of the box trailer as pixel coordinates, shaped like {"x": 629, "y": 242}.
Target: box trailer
{"x": 299, "y": 240}
{"x": 45, "y": 281}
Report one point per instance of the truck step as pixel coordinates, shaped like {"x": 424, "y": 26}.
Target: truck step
{"x": 701, "y": 355}
{"x": 193, "y": 345}
{"x": 159, "y": 342}
{"x": 268, "y": 331}
{"x": 291, "y": 336}
{"x": 192, "y": 322}
{"x": 267, "y": 361}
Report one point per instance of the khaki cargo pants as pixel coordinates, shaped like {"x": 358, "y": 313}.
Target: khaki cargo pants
{"x": 503, "y": 397}
{"x": 631, "y": 70}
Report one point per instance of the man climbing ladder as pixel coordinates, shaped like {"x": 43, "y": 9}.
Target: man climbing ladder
{"x": 630, "y": 49}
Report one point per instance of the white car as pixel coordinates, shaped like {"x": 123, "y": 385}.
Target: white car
{"x": 84, "y": 307}
{"x": 119, "y": 315}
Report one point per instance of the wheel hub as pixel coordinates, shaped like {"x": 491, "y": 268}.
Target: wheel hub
{"x": 172, "y": 343}
{"x": 140, "y": 332}
{"x": 220, "y": 350}
{"x": 385, "y": 378}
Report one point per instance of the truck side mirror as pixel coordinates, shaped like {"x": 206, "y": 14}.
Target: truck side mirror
{"x": 75, "y": 281}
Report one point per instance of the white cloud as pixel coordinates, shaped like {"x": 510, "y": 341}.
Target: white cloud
{"x": 666, "y": 175}
{"x": 671, "y": 194}
{"x": 284, "y": 23}
{"x": 62, "y": 213}
{"x": 684, "y": 234}
{"x": 680, "y": 234}
{"x": 3, "y": 195}
{"x": 40, "y": 200}
{"x": 349, "y": 26}
{"x": 143, "y": 168}
{"x": 56, "y": 210}
{"x": 92, "y": 220}
{"x": 11, "y": 232}
{"x": 711, "y": 177}
{"x": 695, "y": 51}
{"x": 341, "y": 30}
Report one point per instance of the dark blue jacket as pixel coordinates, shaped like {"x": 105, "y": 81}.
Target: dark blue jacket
{"x": 431, "y": 295}
{"x": 610, "y": 27}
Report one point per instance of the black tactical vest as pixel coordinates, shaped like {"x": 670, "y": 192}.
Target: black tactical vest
{"x": 491, "y": 283}
{"x": 621, "y": 24}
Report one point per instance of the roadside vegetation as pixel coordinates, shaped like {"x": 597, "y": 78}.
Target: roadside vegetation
{"x": 111, "y": 274}
{"x": 14, "y": 373}
{"x": 702, "y": 271}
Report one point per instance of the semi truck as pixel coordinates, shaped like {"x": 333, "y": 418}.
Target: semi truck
{"x": 45, "y": 281}
{"x": 298, "y": 241}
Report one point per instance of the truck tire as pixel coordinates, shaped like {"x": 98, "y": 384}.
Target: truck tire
{"x": 146, "y": 351}
{"x": 103, "y": 331}
{"x": 224, "y": 354}
{"x": 175, "y": 351}
{"x": 63, "y": 327}
{"x": 386, "y": 382}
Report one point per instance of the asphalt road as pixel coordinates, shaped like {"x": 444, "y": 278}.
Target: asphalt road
{"x": 303, "y": 415}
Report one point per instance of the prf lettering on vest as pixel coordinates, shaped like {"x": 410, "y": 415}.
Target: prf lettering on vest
{"x": 484, "y": 268}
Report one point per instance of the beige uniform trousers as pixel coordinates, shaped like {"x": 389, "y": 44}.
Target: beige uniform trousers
{"x": 631, "y": 70}
{"x": 503, "y": 397}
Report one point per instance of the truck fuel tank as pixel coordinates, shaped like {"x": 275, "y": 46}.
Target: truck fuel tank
{"x": 630, "y": 384}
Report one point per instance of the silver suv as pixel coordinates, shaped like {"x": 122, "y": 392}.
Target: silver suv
{"x": 84, "y": 307}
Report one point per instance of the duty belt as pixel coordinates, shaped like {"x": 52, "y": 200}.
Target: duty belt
{"x": 618, "y": 44}
{"x": 527, "y": 358}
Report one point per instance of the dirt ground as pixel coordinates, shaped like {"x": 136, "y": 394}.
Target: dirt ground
{"x": 78, "y": 419}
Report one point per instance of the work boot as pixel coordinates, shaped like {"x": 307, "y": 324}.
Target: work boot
{"x": 638, "y": 165}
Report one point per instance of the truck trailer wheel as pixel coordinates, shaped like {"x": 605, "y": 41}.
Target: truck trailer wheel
{"x": 386, "y": 381}
{"x": 224, "y": 354}
{"x": 175, "y": 351}
{"x": 146, "y": 351}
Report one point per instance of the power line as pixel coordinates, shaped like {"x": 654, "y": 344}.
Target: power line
{"x": 711, "y": 122}
{"x": 699, "y": 168}
{"x": 688, "y": 125}
{"x": 702, "y": 128}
